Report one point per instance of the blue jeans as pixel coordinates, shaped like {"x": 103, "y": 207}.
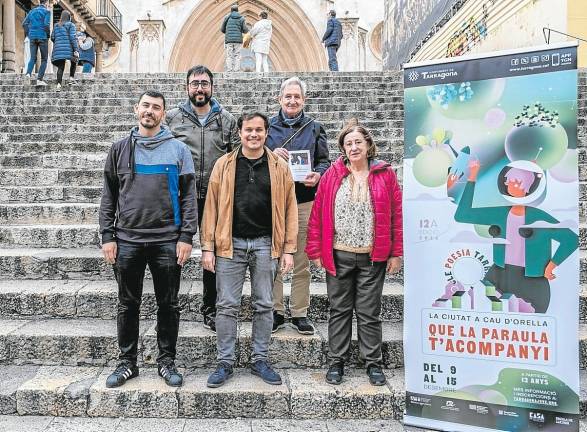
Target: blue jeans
{"x": 87, "y": 68}
{"x": 332, "y": 61}
{"x": 254, "y": 254}
{"x": 43, "y": 47}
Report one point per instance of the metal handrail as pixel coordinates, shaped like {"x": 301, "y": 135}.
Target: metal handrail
{"x": 105, "y": 8}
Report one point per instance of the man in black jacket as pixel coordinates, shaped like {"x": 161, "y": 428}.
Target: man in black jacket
{"x": 148, "y": 216}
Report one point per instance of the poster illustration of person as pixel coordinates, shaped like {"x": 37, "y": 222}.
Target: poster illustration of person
{"x": 491, "y": 195}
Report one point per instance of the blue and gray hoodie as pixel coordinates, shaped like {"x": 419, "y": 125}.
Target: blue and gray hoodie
{"x": 149, "y": 190}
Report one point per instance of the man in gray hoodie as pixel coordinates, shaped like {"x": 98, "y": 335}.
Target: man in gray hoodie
{"x": 148, "y": 216}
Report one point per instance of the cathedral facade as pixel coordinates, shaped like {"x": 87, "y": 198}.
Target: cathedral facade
{"x": 173, "y": 35}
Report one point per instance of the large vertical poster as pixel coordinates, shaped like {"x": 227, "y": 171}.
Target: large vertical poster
{"x": 491, "y": 242}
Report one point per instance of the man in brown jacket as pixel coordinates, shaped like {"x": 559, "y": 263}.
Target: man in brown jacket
{"x": 250, "y": 221}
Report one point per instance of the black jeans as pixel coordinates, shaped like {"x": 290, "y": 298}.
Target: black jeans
{"x": 61, "y": 68}
{"x": 131, "y": 261}
{"x": 209, "y": 278}
{"x": 358, "y": 285}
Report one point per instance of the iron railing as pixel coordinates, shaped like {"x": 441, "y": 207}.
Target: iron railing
{"x": 105, "y": 8}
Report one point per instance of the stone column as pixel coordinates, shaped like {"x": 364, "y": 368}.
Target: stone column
{"x": 150, "y": 46}
{"x": 134, "y": 48}
{"x": 99, "y": 55}
{"x": 348, "y": 53}
{"x": 9, "y": 40}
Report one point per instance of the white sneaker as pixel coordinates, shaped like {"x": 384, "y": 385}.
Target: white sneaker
{"x": 28, "y": 76}
{"x": 41, "y": 83}
{"x": 72, "y": 81}
{"x": 58, "y": 87}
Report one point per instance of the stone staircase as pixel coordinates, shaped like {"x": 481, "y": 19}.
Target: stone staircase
{"x": 58, "y": 297}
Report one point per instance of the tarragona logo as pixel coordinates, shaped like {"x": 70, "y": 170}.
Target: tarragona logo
{"x": 439, "y": 74}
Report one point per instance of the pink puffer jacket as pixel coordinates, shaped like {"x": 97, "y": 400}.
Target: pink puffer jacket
{"x": 386, "y": 197}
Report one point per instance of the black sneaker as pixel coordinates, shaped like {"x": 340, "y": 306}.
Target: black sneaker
{"x": 263, "y": 369}
{"x": 169, "y": 373}
{"x": 302, "y": 325}
{"x": 376, "y": 375}
{"x": 278, "y": 322}
{"x": 220, "y": 375}
{"x": 210, "y": 322}
{"x": 335, "y": 373}
{"x": 123, "y": 372}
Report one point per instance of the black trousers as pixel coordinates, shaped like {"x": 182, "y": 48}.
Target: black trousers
{"x": 209, "y": 278}
{"x": 61, "y": 68}
{"x": 131, "y": 261}
{"x": 358, "y": 285}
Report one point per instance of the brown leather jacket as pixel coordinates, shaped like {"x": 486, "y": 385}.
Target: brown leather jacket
{"x": 216, "y": 231}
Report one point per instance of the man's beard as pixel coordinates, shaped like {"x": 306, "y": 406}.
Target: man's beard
{"x": 200, "y": 103}
{"x": 150, "y": 126}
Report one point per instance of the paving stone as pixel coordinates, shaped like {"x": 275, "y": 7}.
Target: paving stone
{"x": 312, "y": 397}
{"x": 144, "y": 396}
{"x": 244, "y": 395}
{"x": 80, "y": 424}
{"x": 154, "y": 425}
{"x": 287, "y": 425}
{"x": 217, "y": 425}
{"x": 26, "y": 423}
{"x": 56, "y": 391}
{"x": 368, "y": 426}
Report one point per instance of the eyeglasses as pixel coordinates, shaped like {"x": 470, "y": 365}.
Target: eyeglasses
{"x": 195, "y": 84}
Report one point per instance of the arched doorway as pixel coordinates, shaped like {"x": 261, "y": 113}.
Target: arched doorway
{"x": 295, "y": 45}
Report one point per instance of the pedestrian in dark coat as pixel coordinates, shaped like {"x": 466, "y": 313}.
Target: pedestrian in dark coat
{"x": 233, "y": 27}
{"x": 65, "y": 47}
{"x": 331, "y": 39}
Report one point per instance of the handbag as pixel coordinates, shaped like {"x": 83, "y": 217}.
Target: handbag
{"x": 247, "y": 39}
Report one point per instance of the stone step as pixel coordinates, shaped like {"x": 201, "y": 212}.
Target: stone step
{"x": 81, "y": 391}
{"x": 322, "y": 112}
{"x": 388, "y": 150}
{"x": 40, "y": 149}
{"x": 51, "y": 194}
{"x": 49, "y": 236}
{"x": 16, "y": 423}
{"x": 228, "y": 97}
{"x": 317, "y": 103}
{"x": 391, "y": 129}
{"x": 54, "y": 213}
{"x": 51, "y": 177}
{"x": 178, "y": 88}
{"x": 74, "y": 225}
{"x": 68, "y": 127}
{"x": 65, "y": 391}
{"x": 36, "y": 299}
{"x": 92, "y": 342}
{"x": 88, "y": 264}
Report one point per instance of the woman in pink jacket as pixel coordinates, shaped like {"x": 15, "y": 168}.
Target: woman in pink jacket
{"x": 355, "y": 233}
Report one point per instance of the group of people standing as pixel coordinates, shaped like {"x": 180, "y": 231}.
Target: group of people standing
{"x": 258, "y": 39}
{"x": 69, "y": 45}
{"x": 196, "y": 166}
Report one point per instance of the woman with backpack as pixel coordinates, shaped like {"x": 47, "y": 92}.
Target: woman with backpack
{"x": 65, "y": 48}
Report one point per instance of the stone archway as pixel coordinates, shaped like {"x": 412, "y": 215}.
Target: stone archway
{"x": 295, "y": 45}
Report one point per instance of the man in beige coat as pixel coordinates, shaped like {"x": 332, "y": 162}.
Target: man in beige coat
{"x": 250, "y": 222}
